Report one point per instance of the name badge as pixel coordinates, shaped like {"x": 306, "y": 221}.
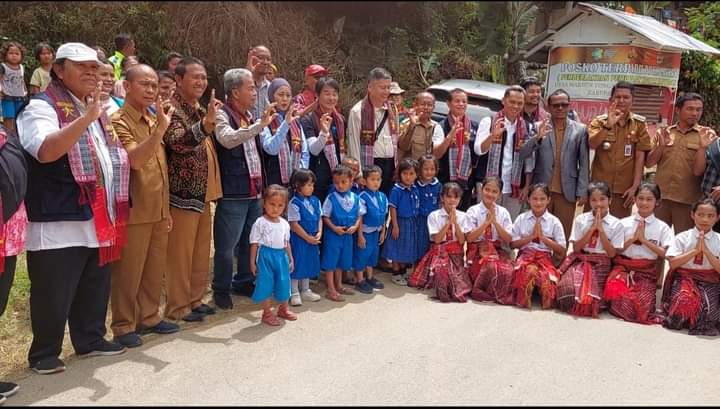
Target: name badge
{"x": 628, "y": 150}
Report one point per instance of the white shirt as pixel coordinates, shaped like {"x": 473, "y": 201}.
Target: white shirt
{"x": 612, "y": 226}
{"x": 483, "y": 133}
{"x": 275, "y": 235}
{"x": 34, "y": 124}
{"x": 478, "y": 213}
{"x": 439, "y": 218}
{"x": 687, "y": 241}
{"x": 346, "y": 202}
{"x": 112, "y": 107}
{"x": 384, "y": 145}
{"x": 438, "y": 136}
{"x": 656, "y": 231}
{"x": 550, "y": 225}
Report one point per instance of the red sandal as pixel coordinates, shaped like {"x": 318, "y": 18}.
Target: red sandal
{"x": 285, "y": 313}
{"x": 270, "y": 319}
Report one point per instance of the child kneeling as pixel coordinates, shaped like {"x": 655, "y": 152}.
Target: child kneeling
{"x": 442, "y": 268}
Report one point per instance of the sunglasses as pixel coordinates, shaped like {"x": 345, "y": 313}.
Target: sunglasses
{"x": 560, "y": 105}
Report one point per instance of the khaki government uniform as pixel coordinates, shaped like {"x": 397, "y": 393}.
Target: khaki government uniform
{"x": 616, "y": 165}
{"x": 137, "y": 277}
{"x": 678, "y": 186}
{"x": 415, "y": 141}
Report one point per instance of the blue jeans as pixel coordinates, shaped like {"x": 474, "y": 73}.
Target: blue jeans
{"x": 231, "y": 229}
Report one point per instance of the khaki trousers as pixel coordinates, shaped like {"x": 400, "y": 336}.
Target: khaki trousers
{"x": 563, "y": 210}
{"x": 137, "y": 278}
{"x": 188, "y": 265}
{"x": 675, "y": 214}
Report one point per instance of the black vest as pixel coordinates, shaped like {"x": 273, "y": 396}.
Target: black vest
{"x": 478, "y": 164}
{"x": 52, "y": 193}
{"x": 234, "y": 173}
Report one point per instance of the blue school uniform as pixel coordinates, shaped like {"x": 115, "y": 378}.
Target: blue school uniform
{"x": 307, "y": 212}
{"x": 376, "y": 206}
{"x": 405, "y": 248}
{"x": 429, "y": 202}
{"x": 343, "y": 210}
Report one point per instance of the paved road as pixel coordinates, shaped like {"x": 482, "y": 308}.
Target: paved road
{"x": 396, "y": 347}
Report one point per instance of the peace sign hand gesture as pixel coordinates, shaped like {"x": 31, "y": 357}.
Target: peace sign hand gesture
{"x": 707, "y": 136}
{"x": 95, "y": 107}
{"x": 325, "y": 122}
{"x": 614, "y": 114}
{"x": 164, "y": 113}
{"x": 268, "y": 115}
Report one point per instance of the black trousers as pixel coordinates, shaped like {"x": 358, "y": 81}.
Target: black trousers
{"x": 388, "y": 174}
{"x": 6, "y": 281}
{"x": 66, "y": 285}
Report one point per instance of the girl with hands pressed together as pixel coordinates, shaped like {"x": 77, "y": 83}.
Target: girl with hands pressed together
{"x": 691, "y": 294}
{"x": 597, "y": 237}
{"x": 442, "y": 268}
{"x": 488, "y": 257}
{"x": 630, "y": 288}
{"x": 538, "y": 235}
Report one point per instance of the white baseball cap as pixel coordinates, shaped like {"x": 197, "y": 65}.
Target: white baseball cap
{"x": 77, "y": 52}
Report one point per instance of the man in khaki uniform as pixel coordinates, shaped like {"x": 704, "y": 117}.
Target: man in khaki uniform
{"x": 419, "y": 131}
{"x": 674, "y": 153}
{"x": 620, "y": 139}
{"x": 137, "y": 277}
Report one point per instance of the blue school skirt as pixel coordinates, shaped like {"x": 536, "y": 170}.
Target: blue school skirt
{"x": 405, "y": 248}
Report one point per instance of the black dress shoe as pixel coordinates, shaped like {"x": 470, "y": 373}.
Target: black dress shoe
{"x": 204, "y": 309}
{"x": 194, "y": 317}
{"x": 223, "y": 301}
{"x": 130, "y": 340}
{"x": 163, "y": 327}
{"x": 245, "y": 290}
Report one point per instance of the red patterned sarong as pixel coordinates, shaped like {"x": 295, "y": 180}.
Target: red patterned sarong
{"x": 691, "y": 299}
{"x": 630, "y": 290}
{"x": 582, "y": 284}
{"x": 490, "y": 269}
{"x": 442, "y": 268}
{"x": 535, "y": 269}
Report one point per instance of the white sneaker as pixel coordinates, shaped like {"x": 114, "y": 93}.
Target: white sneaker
{"x": 399, "y": 279}
{"x": 310, "y": 295}
{"x": 295, "y": 300}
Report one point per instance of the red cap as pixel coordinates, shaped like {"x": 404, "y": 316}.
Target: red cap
{"x": 315, "y": 69}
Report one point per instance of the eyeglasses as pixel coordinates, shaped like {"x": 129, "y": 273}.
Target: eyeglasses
{"x": 560, "y": 105}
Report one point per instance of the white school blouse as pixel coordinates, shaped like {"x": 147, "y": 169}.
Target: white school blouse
{"x": 477, "y": 214}
{"x": 439, "y": 218}
{"x": 549, "y": 224}
{"x": 270, "y": 234}
{"x": 656, "y": 231}
{"x": 612, "y": 226}
{"x": 687, "y": 241}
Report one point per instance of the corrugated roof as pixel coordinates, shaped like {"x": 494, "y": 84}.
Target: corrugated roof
{"x": 654, "y": 30}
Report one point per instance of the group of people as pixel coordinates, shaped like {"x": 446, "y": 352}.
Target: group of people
{"x": 121, "y": 181}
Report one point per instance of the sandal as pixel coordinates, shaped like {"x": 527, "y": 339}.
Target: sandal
{"x": 270, "y": 319}
{"x": 285, "y": 313}
{"x": 335, "y": 297}
{"x": 346, "y": 291}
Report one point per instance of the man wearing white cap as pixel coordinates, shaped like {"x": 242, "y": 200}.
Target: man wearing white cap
{"x": 77, "y": 205}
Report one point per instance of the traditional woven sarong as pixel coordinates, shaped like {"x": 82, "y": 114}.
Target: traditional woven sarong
{"x": 630, "y": 290}
{"x": 442, "y": 268}
{"x": 490, "y": 270}
{"x": 535, "y": 269}
{"x": 582, "y": 283}
{"x": 691, "y": 299}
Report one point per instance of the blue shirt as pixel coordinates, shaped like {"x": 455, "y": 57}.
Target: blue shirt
{"x": 406, "y": 200}
{"x": 271, "y": 143}
{"x": 429, "y": 196}
{"x": 376, "y": 205}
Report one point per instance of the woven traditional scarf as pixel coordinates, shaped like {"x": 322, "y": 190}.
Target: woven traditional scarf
{"x": 368, "y": 132}
{"x": 252, "y": 157}
{"x": 329, "y": 148}
{"x": 459, "y": 152}
{"x": 290, "y": 151}
{"x": 87, "y": 172}
{"x": 495, "y": 154}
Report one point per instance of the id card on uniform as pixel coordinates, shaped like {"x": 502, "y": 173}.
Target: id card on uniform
{"x": 628, "y": 150}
